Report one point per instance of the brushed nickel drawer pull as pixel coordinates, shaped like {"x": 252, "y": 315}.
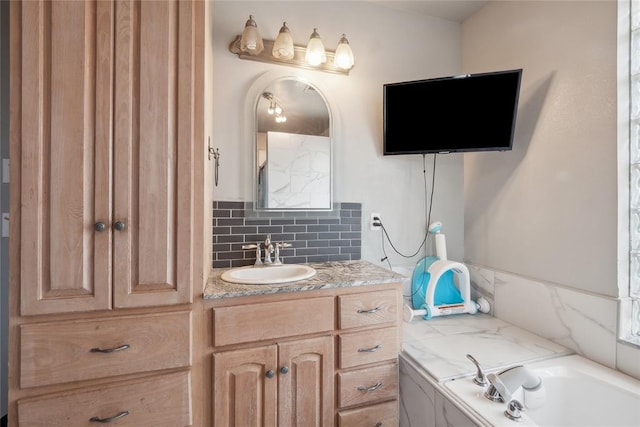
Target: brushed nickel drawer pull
{"x": 110, "y": 419}
{"x": 372, "y": 388}
{"x": 373, "y": 310}
{"x": 109, "y": 350}
{"x": 370, "y": 350}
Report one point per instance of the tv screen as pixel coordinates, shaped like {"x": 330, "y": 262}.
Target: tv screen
{"x": 472, "y": 112}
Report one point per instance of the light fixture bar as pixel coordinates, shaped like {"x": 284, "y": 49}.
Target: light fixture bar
{"x": 298, "y": 59}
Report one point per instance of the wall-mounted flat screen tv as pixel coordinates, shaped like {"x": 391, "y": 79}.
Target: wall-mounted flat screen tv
{"x": 471, "y": 112}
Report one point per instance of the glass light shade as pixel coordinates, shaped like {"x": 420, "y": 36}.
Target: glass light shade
{"x": 283, "y": 45}
{"x": 251, "y": 42}
{"x": 316, "y": 54}
{"x": 344, "y": 55}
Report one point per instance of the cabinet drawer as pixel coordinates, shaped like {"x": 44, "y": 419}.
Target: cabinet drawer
{"x": 369, "y": 346}
{"x": 163, "y": 400}
{"x": 370, "y": 308}
{"x": 368, "y": 385}
{"x": 383, "y": 414}
{"x": 264, "y": 321}
{"x": 59, "y": 352}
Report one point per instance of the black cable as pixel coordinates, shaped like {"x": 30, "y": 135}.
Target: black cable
{"x": 427, "y": 214}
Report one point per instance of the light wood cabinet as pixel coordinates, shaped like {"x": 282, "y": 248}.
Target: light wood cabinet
{"x": 369, "y": 343}
{"x": 77, "y": 350}
{"x": 106, "y": 154}
{"x": 286, "y": 384}
{"x": 106, "y": 179}
{"x": 118, "y": 404}
{"x": 307, "y": 358}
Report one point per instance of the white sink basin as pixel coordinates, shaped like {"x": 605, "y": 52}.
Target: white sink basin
{"x": 268, "y": 275}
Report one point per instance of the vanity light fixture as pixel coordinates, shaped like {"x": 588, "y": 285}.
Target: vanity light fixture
{"x": 250, "y": 41}
{"x": 282, "y": 51}
{"x": 316, "y": 53}
{"x": 283, "y": 46}
{"x": 344, "y": 55}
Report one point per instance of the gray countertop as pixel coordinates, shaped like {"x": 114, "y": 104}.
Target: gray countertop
{"x": 337, "y": 274}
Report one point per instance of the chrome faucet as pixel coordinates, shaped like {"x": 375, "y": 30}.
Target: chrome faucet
{"x": 269, "y": 248}
{"x": 507, "y": 382}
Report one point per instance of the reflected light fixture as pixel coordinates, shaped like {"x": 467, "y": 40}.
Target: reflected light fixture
{"x": 283, "y": 45}
{"x": 316, "y": 53}
{"x": 344, "y": 55}
{"x": 274, "y": 108}
{"x": 251, "y": 42}
{"x": 282, "y": 50}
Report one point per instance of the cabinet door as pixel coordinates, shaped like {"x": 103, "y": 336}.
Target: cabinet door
{"x": 62, "y": 145}
{"x": 305, "y": 391}
{"x": 153, "y": 155}
{"x": 244, "y": 387}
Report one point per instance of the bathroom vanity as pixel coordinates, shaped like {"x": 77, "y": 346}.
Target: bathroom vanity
{"x": 322, "y": 351}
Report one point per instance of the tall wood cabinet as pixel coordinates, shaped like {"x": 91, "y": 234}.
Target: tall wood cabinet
{"x": 107, "y": 154}
{"x": 106, "y": 130}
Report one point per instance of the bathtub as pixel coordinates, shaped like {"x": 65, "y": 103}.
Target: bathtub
{"x": 579, "y": 392}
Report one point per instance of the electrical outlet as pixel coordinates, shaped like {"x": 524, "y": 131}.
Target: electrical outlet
{"x": 374, "y": 224}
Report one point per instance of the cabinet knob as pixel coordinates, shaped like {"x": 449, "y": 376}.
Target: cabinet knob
{"x": 284, "y": 369}
{"x": 270, "y": 374}
{"x": 119, "y": 225}
{"x": 99, "y": 226}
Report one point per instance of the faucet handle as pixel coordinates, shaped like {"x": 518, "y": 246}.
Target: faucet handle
{"x": 255, "y": 246}
{"x": 278, "y": 245}
{"x": 514, "y": 408}
{"x": 480, "y": 379}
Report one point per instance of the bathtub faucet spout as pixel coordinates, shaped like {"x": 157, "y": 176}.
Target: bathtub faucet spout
{"x": 507, "y": 382}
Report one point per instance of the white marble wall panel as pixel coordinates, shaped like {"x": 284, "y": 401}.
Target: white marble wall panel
{"x": 299, "y": 171}
{"x": 448, "y": 415}
{"x": 417, "y": 398}
{"x": 628, "y": 359}
{"x": 482, "y": 281}
{"x": 583, "y": 322}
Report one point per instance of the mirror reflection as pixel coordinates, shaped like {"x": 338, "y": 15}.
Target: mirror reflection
{"x": 293, "y": 148}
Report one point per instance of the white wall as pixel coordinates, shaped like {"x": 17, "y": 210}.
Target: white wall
{"x": 548, "y": 209}
{"x": 389, "y": 46}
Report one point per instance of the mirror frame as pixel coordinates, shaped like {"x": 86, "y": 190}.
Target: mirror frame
{"x": 251, "y": 103}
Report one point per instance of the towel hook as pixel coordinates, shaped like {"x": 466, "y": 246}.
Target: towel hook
{"x": 216, "y": 155}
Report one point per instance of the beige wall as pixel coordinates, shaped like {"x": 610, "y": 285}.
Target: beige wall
{"x": 547, "y": 210}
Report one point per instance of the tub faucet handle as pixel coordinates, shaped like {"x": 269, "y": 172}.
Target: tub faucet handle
{"x": 514, "y": 408}
{"x": 480, "y": 379}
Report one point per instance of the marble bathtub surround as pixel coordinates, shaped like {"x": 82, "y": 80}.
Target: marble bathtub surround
{"x": 583, "y": 322}
{"x": 314, "y": 236}
{"x": 338, "y": 274}
{"x": 440, "y": 345}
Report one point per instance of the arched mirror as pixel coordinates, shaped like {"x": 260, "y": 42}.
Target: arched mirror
{"x": 293, "y": 165}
